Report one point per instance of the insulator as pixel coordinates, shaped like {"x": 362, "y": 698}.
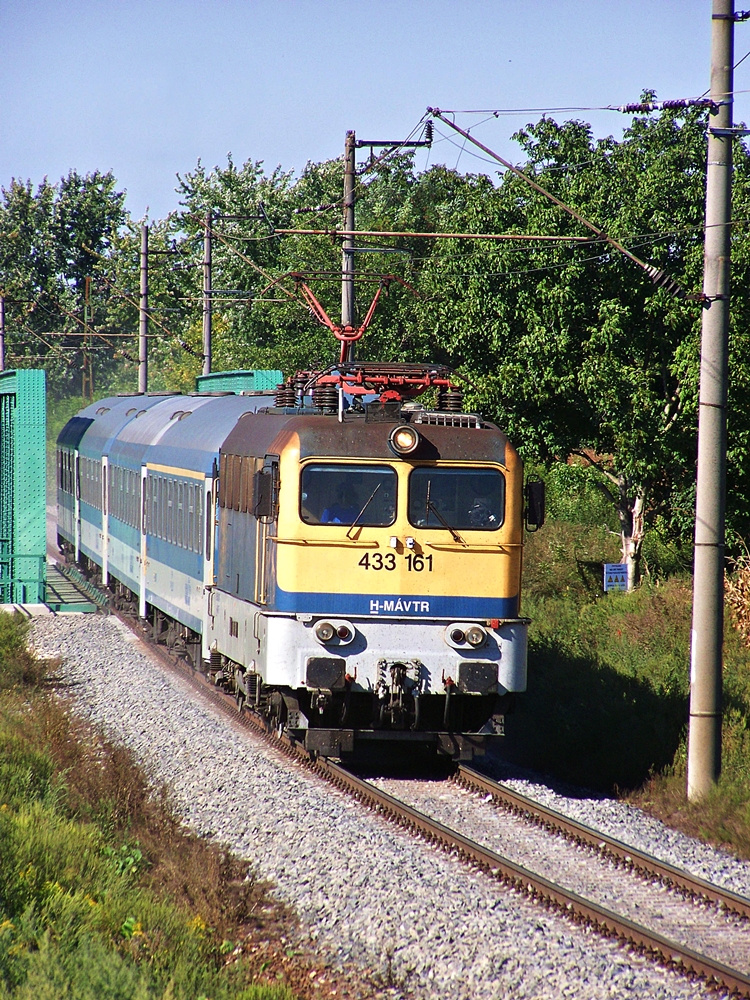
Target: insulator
{"x": 663, "y": 280}
{"x": 299, "y": 388}
{"x": 326, "y": 398}
{"x": 450, "y": 399}
{"x": 428, "y": 131}
{"x": 674, "y": 105}
{"x": 285, "y": 394}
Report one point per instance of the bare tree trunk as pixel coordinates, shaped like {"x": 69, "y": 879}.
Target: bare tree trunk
{"x": 629, "y": 500}
{"x": 630, "y": 511}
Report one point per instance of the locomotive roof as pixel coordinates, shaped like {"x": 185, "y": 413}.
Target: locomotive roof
{"x": 188, "y": 432}
{"x": 355, "y": 437}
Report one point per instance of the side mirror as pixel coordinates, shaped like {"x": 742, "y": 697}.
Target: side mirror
{"x": 265, "y": 500}
{"x": 534, "y": 515}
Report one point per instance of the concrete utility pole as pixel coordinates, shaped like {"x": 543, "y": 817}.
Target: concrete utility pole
{"x": 704, "y": 736}
{"x": 87, "y": 375}
{"x": 347, "y": 254}
{"x": 207, "y": 296}
{"x": 143, "y": 315}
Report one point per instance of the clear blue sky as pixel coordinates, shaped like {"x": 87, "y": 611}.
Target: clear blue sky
{"x": 147, "y": 87}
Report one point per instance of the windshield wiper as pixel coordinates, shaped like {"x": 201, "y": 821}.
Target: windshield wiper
{"x": 430, "y": 506}
{"x": 355, "y": 522}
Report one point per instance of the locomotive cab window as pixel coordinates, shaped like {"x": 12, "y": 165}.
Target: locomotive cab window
{"x": 465, "y": 498}
{"x": 343, "y": 494}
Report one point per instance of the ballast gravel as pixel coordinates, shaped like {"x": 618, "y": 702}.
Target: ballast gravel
{"x": 368, "y": 895}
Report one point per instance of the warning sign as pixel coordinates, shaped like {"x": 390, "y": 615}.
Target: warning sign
{"x": 615, "y": 576}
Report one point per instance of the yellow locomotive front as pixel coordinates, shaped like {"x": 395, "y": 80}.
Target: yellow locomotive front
{"x": 391, "y": 552}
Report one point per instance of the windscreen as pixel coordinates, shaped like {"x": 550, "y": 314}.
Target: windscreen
{"x": 342, "y": 494}
{"x": 465, "y": 498}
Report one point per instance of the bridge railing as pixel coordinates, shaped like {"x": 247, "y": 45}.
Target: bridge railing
{"x": 22, "y": 486}
{"x": 22, "y": 577}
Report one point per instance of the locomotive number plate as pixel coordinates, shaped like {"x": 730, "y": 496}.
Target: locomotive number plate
{"x": 415, "y": 562}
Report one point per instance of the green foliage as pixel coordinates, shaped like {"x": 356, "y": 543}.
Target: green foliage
{"x": 574, "y": 494}
{"x": 50, "y": 243}
{"x": 129, "y": 860}
{"x": 570, "y": 347}
{"x": 17, "y": 667}
{"x": 606, "y": 704}
{"x": 25, "y": 773}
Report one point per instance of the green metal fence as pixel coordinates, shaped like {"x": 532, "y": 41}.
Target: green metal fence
{"x": 22, "y": 487}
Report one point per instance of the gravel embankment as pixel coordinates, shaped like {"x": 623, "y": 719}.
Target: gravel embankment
{"x": 368, "y": 894}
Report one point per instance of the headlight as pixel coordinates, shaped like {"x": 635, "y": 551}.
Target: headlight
{"x": 475, "y": 635}
{"x": 457, "y": 636}
{"x": 325, "y": 631}
{"x": 403, "y": 440}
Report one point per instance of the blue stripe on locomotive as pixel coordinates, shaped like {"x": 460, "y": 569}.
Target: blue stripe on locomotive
{"x": 395, "y": 605}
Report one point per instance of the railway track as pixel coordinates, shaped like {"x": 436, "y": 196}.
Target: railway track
{"x": 603, "y": 845}
{"x": 725, "y": 909}
{"x": 609, "y": 921}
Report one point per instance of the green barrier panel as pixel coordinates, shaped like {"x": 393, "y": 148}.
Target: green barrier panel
{"x": 23, "y": 493}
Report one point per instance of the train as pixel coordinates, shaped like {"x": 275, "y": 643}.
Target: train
{"x": 343, "y": 558}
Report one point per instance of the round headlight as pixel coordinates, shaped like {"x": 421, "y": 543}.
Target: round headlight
{"x": 457, "y": 636}
{"x": 475, "y": 635}
{"x": 403, "y": 440}
{"x": 325, "y": 631}
{"x": 343, "y": 633}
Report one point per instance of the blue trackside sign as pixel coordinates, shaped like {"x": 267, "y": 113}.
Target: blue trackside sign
{"x": 615, "y": 576}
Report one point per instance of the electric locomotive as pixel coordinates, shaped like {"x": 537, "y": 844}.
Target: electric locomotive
{"x": 344, "y": 559}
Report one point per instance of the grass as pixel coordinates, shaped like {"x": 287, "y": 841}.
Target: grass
{"x": 102, "y": 893}
{"x": 608, "y": 694}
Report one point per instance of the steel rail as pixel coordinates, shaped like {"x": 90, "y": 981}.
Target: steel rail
{"x": 530, "y": 884}
{"x": 602, "y": 843}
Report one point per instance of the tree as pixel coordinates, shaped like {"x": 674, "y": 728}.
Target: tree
{"x": 50, "y": 242}
{"x": 575, "y": 351}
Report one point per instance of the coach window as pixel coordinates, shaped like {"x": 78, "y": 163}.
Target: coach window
{"x": 470, "y": 499}
{"x": 343, "y": 494}
{"x": 181, "y": 514}
{"x": 170, "y": 510}
{"x": 153, "y": 484}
